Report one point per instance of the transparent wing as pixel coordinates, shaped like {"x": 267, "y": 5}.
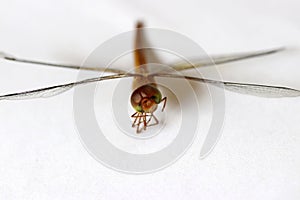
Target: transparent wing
{"x": 213, "y": 60}
{"x": 222, "y": 59}
{"x": 243, "y": 88}
{"x": 22, "y": 60}
{"x": 58, "y": 89}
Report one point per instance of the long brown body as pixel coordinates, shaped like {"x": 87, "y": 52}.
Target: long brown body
{"x": 140, "y": 60}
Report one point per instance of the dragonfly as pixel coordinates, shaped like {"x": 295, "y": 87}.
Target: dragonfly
{"x": 146, "y": 95}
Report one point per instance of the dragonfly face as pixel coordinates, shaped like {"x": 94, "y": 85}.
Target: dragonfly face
{"x": 145, "y": 100}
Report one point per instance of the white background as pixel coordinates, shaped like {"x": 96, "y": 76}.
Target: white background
{"x": 257, "y": 157}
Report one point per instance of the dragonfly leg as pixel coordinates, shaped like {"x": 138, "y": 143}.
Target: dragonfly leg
{"x": 138, "y": 129}
{"x": 145, "y": 121}
{"x": 165, "y": 102}
{"x": 135, "y": 115}
{"x": 137, "y": 121}
{"x": 149, "y": 119}
{"x": 155, "y": 119}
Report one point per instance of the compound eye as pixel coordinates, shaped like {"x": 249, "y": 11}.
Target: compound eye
{"x": 136, "y": 101}
{"x": 156, "y": 98}
{"x": 136, "y": 98}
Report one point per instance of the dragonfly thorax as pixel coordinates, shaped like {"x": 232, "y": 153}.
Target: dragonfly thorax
{"x": 146, "y": 98}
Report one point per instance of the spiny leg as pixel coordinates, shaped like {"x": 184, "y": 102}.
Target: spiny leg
{"x": 150, "y": 118}
{"x": 165, "y": 102}
{"x": 141, "y": 118}
{"x": 137, "y": 121}
{"x": 155, "y": 119}
{"x": 138, "y": 130}
{"x": 145, "y": 120}
{"x": 136, "y": 117}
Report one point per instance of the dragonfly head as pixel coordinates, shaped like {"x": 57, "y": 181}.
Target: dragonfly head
{"x": 146, "y": 98}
